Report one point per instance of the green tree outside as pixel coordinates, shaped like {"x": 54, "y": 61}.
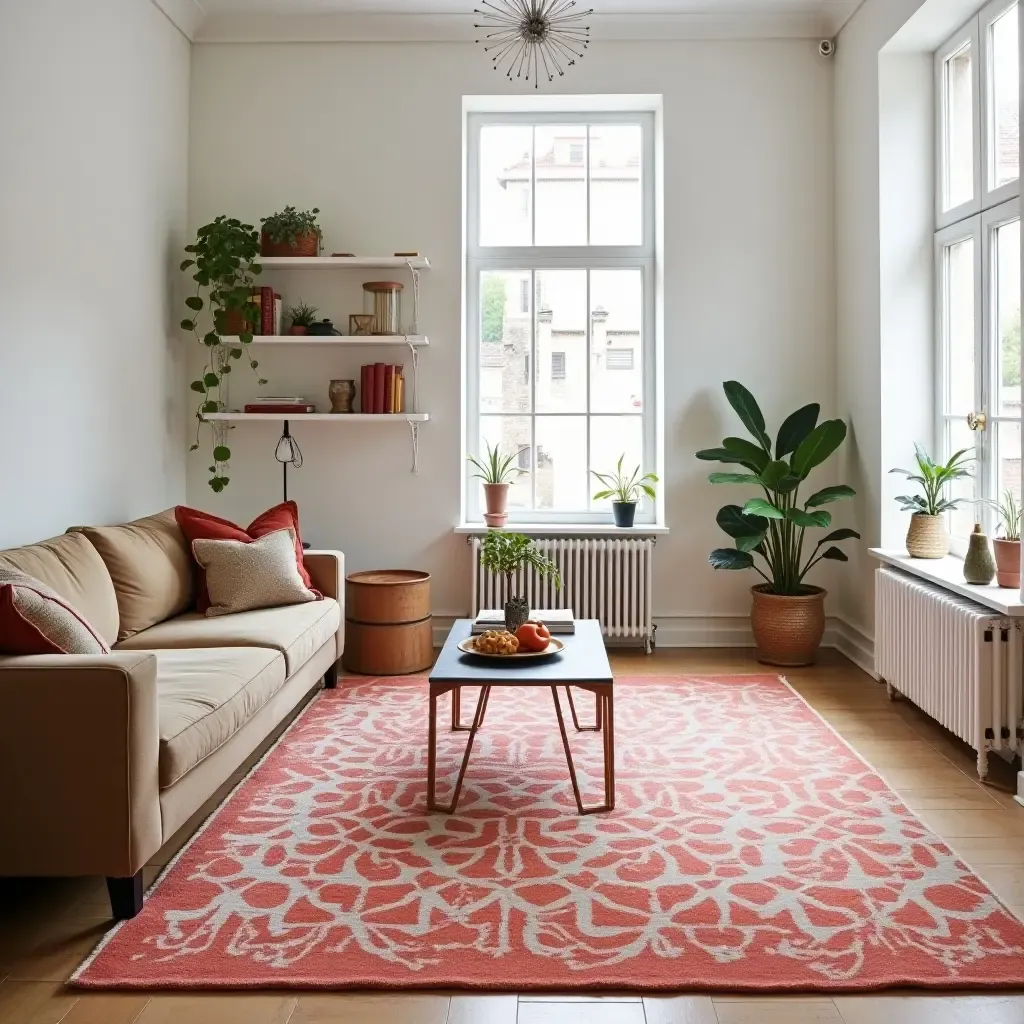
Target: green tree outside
{"x": 492, "y": 310}
{"x": 1011, "y": 353}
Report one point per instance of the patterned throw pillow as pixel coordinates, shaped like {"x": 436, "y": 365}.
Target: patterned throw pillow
{"x": 242, "y": 575}
{"x": 36, "y": 620}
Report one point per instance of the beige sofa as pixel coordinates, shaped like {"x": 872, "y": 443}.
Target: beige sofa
{"x": 103, "y": 758}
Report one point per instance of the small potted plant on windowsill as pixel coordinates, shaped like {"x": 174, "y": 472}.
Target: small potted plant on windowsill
{"x": 1007, "y": 547}
{"x": 928, "y": 536}
{"x": 505, "y": 554}
{"x": 496, "y": 470}
{"x": 302, "y": 318}
{"x": 291, "y": 233}
{"x": 625, "y": 491}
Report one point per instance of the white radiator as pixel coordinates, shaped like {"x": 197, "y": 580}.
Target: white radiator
{"x": 602, "y": 578}
{"x": 956, "y": 660}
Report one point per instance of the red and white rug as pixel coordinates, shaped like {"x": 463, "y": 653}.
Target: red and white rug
{"x": 751, "y": 849}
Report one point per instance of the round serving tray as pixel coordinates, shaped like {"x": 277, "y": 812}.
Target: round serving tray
{"x": 468, "y": 646}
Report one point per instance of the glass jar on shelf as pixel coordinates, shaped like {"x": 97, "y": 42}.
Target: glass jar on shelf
{"x": 383, "y": 299}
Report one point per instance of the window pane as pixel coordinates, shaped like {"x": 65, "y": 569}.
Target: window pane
{"x": 959, "y": 303}
{"x": 512, "y": 433}
{"x": 1004, "y": 159}
{"x": 504, "y": 342}
{"x": 1008, "y": 459}
{"x": 1007, "y": 316}
{"x": 959, "y": 129}
{"x": 616, "y": 365}
{"x": 962, "y": 519}
{"x": 561, "y": 184}
{"x": 616, "y": 208}
{"x": 561, "y": 463}
{"x": 506, "y": 155}
{"x": 610, "y": 437}
{"x": 561, "y": 331}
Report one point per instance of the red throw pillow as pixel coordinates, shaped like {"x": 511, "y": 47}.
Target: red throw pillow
{"x": 198, "y": 525}
{"x": 34, "y": 619}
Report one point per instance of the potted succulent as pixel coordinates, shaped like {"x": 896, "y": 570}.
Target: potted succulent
{"x": 496, "y": 470}
{"x": 788, "y": 615}
{"x": 291, "y": 233}
{"x": 507, "y": 553}
{"x": 625, "y": 491}
{"x": 302, "y": 318}
{"x": 222, "y": 261}
{"x": 1007, "y": 547}
{"x": 928, "y": 536}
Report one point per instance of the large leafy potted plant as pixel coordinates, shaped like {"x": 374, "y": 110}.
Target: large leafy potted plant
{"x": 291, "y": 233}
{"x": 928, "y": 536}
{"x": 788, "y": 615}
{"x": 496, "y": 470}
{"x": 625, "y": 491}
{"x": 1007, "y": 547}
{"x": 222, "y": 263}
{"x": 507, "y": 553}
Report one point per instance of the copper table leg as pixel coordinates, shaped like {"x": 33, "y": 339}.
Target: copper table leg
{"x": 604, "y": 700}
{"x": 478, "y": 718}
{"x": 597, "y": 713}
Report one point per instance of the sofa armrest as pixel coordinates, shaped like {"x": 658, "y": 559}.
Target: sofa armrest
{"x": 327, "y": 571}
{"x": 79, "y": 760}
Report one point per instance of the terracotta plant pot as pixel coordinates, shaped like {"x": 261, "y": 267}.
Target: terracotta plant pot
{"x": 298, "y": 330}
{"x": 496, "y": 497}
{"x": 235, "y": 323}
{"x": 927, "y": 536}
{"x": 1007, "y": 563}
{"x": 304, "y": 245}
{"x": 787, "y": 630}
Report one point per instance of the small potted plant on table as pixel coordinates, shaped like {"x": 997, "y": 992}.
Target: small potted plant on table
{"x": 1007, "y": 547}
{"x": 928, "y": 536}
{"x": 625, "y": 491}
{"x": 506, "y": 554}
{"x": 291, "y": 233}
{"x": 496, "y": 470}
{"x": 302, "y": 318}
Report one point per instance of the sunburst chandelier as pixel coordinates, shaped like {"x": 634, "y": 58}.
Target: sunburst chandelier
{"x": 534, "y": 37}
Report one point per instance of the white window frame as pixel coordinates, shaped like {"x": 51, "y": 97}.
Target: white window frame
{"x": 986, "y": 19}
{"x": 481, "y": 259}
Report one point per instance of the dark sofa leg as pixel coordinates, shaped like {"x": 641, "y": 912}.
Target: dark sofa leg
{"x": 331, "y": 677}
{"x": 125, "y": 896}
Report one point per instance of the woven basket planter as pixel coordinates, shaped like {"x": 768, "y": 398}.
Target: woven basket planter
{"x": 304, "y": 245}
{"x": 787, "y": 630}
{"x": 927, "y": 536}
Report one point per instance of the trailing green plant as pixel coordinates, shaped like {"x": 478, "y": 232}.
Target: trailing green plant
{"x": 619, "y": 487}
{"x": 774, "y": 526}
{"x": 223, "y": 257}
{"x": 1009, "y": 511}
{"x": 496, "y": 468}
{"x": 933, "y": 477}
{"x": 288, "y": 226}
{"x": 302, "y": 315}
{"x": 506, "y": 553}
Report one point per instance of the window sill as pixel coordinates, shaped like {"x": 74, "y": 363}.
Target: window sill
{"x": 569, "y": 529}
{"x": 948, "y": 573}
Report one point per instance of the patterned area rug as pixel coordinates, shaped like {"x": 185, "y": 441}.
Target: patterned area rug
{"x": 751, "y": 849}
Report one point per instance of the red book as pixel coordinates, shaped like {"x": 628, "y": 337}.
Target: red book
{"x": 366, "y": 389}
{"x": 266, "y": 310}
{"x": 389, "y": 389}
{"x": 285, "y": 407}
{"x": 378, "y": 387}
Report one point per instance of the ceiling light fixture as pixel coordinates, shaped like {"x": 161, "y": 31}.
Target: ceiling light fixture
{"x": 534, "y": 37}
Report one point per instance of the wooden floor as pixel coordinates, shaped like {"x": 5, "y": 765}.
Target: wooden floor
{"x": 48, "y": 926}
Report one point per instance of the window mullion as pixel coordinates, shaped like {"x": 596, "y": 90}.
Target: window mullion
{"x": 534, "y": 461}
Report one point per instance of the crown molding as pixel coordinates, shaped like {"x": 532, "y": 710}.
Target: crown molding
{"x": 186, "y": 15}
{"x": 446, "y": 28}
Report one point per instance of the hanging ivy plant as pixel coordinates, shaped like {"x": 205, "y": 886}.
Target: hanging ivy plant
{"x": 224, "y": 257}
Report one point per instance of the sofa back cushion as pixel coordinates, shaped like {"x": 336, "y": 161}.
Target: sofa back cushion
{"x": 72, "y": 567}
{"x": 150, "y": 566}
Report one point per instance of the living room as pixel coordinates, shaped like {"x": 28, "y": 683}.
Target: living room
{"x": 389, "y": 355}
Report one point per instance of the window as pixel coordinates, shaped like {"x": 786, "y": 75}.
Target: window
{"x": 560, "y": 279}
{"x": 977, "y": 248}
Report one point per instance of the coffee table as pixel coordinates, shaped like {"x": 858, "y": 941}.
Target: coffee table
{"x": 583, "y": 664}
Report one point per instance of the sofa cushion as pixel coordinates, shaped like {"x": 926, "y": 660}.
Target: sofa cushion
{"x": 73, "y": 569}
{"x": 205, "y": 697}
{"x": 150, "y": 566}
{"x": 297, "y": 631}
{"x": 35, "y": 619}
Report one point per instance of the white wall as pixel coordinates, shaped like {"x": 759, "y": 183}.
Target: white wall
{"x": 92, "y": 201}
{"x": 372, "y": 134}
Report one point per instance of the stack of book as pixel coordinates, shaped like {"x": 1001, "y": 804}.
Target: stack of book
{"x": 558, "y": 620}
{"x": 382, "y": 388}
{"x": 287, "y": 404}
{"x": 269, "y": 320}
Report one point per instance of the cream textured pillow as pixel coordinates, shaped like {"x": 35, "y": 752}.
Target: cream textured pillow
{"x": 35, "y": 619}
{"x": 259, "y": 574}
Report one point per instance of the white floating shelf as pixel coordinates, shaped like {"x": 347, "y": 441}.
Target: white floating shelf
{"x": 334, "y": 417}
{"x": 416, "y": 340}
{"x": 369, "y": 262}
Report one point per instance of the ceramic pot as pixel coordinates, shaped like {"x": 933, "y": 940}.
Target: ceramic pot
{"x": 304, "y": 245}
{"x": 787, "y": 630}
{"x": 927, "y": 536}
{"x": 496, "y": 497}
{"x": 979, "y": 565}
{"x": 1007, "y": 563}
{"x": 235, "y": 323}
{"x": 298, "y": 330}
{"x": 517, "y": 611}
{"x": 624, "y": 512}
{"x": 341, "y": 393}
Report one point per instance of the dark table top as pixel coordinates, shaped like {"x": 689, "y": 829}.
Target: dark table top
{"x": 584, "y": 660}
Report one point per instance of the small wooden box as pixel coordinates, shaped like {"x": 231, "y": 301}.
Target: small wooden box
{"x": 388, "y": 623}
